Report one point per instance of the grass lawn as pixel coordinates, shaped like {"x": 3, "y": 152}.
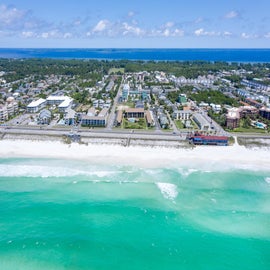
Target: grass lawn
{"x": 249, "y": 130}
{"x": 140, "y": 124}
{"x": 128, "y": 104}
{"x": 179, "y": 124}
{"x": 115, "y": 70}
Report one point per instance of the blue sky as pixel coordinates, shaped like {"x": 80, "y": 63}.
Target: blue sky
{"x": 135, "y": 24}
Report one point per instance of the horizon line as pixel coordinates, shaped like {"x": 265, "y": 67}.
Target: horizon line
{"x": 143, "y": 48}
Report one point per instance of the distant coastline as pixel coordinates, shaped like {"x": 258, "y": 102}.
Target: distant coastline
{"x": 224, "y": 55}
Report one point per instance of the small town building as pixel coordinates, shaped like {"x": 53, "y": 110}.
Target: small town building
{"x": 63, "y": 102}
{"x": 134, "y": 113}
{"x": 182, "y": 114}
{"x": 163, "y": 120}
{"x": 233, "y": 118}
{"x": 44, "y": 117}
{"x": 149, "y": 118}
{"x": 70, "y": 117}
{"x": 36, "y": 105}
{"x": 139, "y": 104}
{"x": 182, "y": 99}
{"x": 265, "y": 112}
{"x": 3, "y": 113}
{"x": 96, "y": 121}
{"x": 201, "y": 122}
{"x": 119, "y": 117}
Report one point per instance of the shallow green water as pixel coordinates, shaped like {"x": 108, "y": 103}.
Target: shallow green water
{"x": 72, "y": 215}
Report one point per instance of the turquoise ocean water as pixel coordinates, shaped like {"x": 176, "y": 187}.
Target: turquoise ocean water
{"x": 57, "y": 214}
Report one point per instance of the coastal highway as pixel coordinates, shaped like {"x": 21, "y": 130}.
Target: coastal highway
{"x": 94, "y": 133}
{"x": 105, "y": 133}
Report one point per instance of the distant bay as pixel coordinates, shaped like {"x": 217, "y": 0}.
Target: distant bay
{"x": 226, "y": 55}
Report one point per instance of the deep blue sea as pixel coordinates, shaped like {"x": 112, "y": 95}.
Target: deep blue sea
{"x": 227, "y": 55}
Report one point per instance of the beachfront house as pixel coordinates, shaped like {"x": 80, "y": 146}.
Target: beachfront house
{"x": 70, "y": 117}
{"x": 44, "y": 117}
{"x": 149, "y": 118}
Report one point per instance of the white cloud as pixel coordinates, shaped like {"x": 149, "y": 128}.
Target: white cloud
{"x": 267, "y": 35}
{"x": 101, "y": 26}
{"x": 166, "y": 33}
{"x": 227, "y": 34}
{"x": 178, "y": 33}
{"x": 130, "y": 29}
{"x": 199, "y": 32}
{"x": 55, "y": 33}
{"x": 232, "y": 14}
{"x": 28, "y": 34}
{"x": 10, "y": 15}
{"x": 248, "y": 36}
{"x": 45, "y": 35}
{"x": 202, "y": 32}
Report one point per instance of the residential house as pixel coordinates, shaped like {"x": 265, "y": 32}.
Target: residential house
{"x": 44, "y": 117}
{"x": 149, "y": 118}
{"x": 70, "y": 117}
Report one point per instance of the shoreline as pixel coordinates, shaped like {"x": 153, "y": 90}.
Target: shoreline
{"x": 123, "y": 138}
{"x": 208, "y": 158}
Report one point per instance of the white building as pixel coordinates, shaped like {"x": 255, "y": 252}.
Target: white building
{"x": 201, "y": 121}
{"x": 63, "y": 102}
{"x": 9, "y": 109}
{"x": 70, "y": 117}
{"x": 3, "y": 113}
{"x": 36, "y": 105}
{"x": 182, "y": 114}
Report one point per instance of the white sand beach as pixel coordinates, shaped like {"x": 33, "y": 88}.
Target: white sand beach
{"x": 204, "y": 157}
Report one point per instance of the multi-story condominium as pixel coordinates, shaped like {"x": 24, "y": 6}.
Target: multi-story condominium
{"x": 134, "y": 113}
{"x": 265, "y": 113}
{"x": 63, "y": 102}
{"x": 36, "y": 105}
{"x": 233, "y": 118}
{"x": 9, "y": 109}
{"x": 96, "y": 121}
{"x": 182, "y": 114}
{"x": 3, "y": 113}
{"x": 201, "y": 121}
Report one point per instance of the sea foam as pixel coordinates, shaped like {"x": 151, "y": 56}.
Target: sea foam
{"x": 267, "y": 180}
{"x": 46, "y": 171}
{"x": 169, "y": 191}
